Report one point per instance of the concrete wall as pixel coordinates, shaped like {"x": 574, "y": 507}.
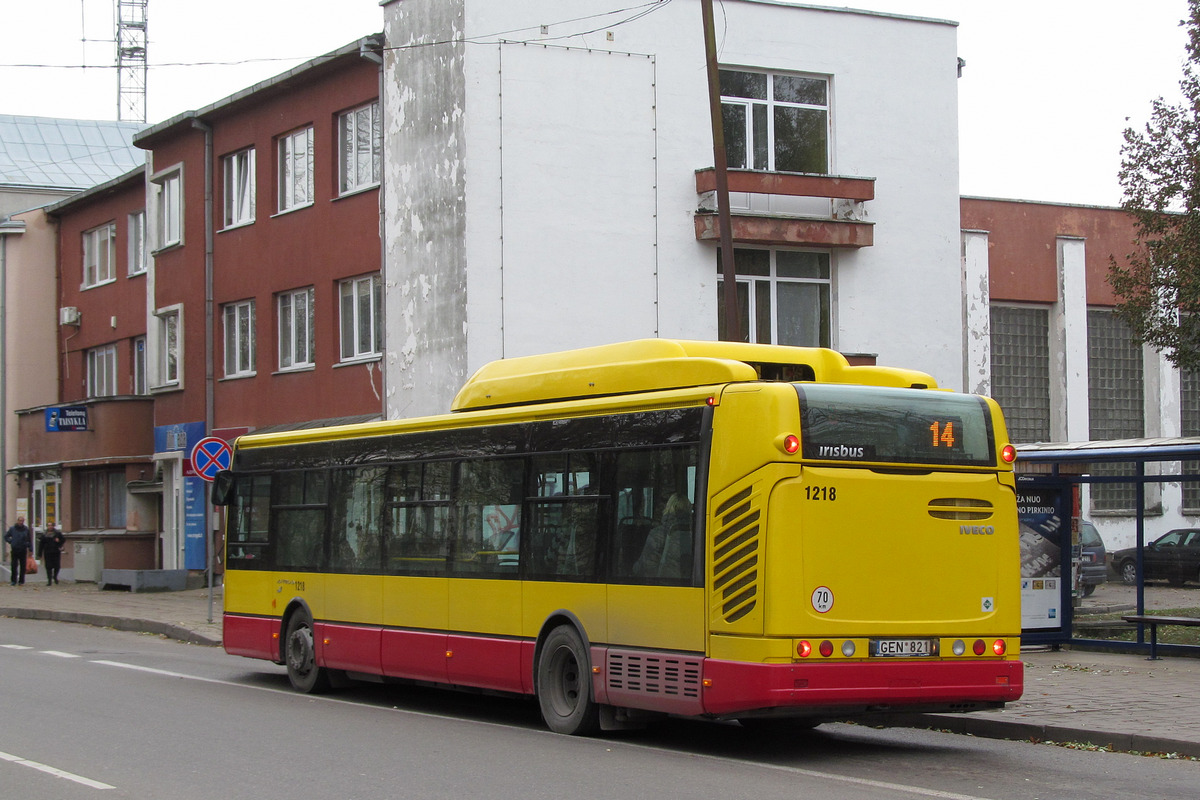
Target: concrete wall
{"x": 540, "y": 186}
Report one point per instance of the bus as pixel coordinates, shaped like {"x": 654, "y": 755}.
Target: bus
{"x": 730, "y": 531}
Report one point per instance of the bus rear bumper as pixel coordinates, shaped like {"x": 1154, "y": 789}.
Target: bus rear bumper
{"x": 844, "y": 689}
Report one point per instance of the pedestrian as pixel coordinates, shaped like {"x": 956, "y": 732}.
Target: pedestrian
{"x": 50, "y": 545}
{"x": 19, "y": 539}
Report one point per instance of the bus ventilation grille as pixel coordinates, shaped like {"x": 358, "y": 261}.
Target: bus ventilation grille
{"x": 653, "y": 674}
{"x": 962, "y": 508}
{"x": 735, "y": 555}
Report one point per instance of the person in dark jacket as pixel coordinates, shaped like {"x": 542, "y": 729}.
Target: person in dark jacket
{"x": 19, "y": 539}
{"x": 50, "y": 545}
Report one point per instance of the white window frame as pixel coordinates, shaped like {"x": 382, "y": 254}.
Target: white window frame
{"x": 102, "y": 371}
{"x": 239, "y": 176}
{"x": 168, "y": 208}
{"x": 769, "y": 105}
{"x": 360, "y": 324}
{"x": 135, "y": 244}
{"x": 140, "y": 381}
{"x": 168, "y": 360}
{"x": 296, "y": 338}
{"x": 238, "y": 334}
{"x": 360, "y": 148}
{"x": 99, "y": 255}
{"x": 770, "y": 282}
{"x": 296, "y": 170}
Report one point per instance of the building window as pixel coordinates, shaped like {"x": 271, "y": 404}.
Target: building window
{"x": 102, "y": 499}
{"x": 1189, "y": 417}
{"x": 102, "y": 371}
{"x": 296, "y": 169}
{"x": 1021, "y": 370}
{"x": 296, "y": 329}
{"x": 775, "y": 122}
{"x": 99, "y": 255}
{"x": 169, "y": 352}
{"x": 168, "y": 205}
{"x": 360, "y": 148}
{"x": 783, "y": 297}
{"x": 239, "y": 339}
{"x": 239, "y": 188}
{"x": 1115, "y": 402}
{"x": 139, "y": 365}
{"x": 137, "y": 243}
{"x": 361, "y": 317}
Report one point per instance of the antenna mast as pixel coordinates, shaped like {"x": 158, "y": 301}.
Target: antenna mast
{"x": 131, "y": 60}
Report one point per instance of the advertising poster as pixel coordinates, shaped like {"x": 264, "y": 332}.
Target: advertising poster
{"x": 1045, "y": 531}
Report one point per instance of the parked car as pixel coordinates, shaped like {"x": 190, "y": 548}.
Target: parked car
{"x": 1174, "y": 557}
{"x": 1093, "y": 567}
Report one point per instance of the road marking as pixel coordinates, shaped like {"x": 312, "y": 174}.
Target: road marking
{"x": 57, "y": 653}
{"x": 830, "y": 776}
{"x": 15, "y": 647}
{"x": 58, "y": 773}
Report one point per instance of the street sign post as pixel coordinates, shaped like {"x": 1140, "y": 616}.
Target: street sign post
{"x": 210, "y": 456}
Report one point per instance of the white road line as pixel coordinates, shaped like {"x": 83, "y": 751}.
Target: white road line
{"x": 58, "y": 773}
{"x": 15, "y": 647}
{"x": 168, "y": 674}
{"x": 57, "y": 653}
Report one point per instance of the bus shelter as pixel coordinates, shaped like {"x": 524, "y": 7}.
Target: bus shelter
{"x": 1065, "y": 597}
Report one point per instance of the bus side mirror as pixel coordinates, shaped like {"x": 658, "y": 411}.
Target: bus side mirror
{"x": 223, "y": 488}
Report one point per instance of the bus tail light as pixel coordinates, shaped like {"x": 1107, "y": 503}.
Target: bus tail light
{"x": 1008, "y": 454}
{"x": 847, "y": 648}
{"x": 827, "y": 648}
{"x": 804, "y": 649}
{"x": 999, "y": 647}
{"x": 959, "y": 647}
{"x": 979, "y": 647}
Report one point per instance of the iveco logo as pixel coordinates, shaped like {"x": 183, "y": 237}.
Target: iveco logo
{"x": 976, "y": 530}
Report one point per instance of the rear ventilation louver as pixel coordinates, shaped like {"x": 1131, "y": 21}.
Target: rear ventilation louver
{"x": 960, "y": 508}
{"x": 735, "y": 555}
{"x": 654, "y": 674}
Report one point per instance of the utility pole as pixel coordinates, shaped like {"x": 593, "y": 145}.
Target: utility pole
{"x": 131, "y": 60}
{"x": 721, "y": 170}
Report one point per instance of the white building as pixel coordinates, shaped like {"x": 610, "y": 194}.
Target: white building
{"x": 542, "y": 186}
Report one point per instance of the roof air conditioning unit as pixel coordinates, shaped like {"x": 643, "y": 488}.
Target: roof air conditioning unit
{"x": 68, "y": 315}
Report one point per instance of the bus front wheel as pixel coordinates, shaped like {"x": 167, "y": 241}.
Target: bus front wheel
{"x": 564, "y": 684}
{"x": 301, "y": 656}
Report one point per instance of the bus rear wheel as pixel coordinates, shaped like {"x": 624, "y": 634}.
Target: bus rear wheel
{"x": 301, "y": 656}
{"x": 564, "y": 684}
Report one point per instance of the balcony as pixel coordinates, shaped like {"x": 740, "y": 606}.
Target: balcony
{"x": 788, "y": 209}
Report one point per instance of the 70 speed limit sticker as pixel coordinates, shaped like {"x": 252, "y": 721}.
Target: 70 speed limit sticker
{"x": 822, "y": 599}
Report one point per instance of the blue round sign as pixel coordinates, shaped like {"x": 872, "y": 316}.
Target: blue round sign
{"x": 210, "y": 456}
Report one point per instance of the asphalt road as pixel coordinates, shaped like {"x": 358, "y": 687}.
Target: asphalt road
{"x": 96, "y": 713}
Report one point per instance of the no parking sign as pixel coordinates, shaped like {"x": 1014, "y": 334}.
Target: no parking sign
{"x": 210, "y": 456}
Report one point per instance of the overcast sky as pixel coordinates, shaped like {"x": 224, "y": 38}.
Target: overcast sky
{"x": 1047, "y": 89}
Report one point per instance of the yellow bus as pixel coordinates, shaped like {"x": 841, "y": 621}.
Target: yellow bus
{"x": 713, "y": 529}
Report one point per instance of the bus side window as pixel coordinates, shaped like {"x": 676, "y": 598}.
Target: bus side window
{"x": 357, "y": 514}
{"x": 249, "y": 520}
{"x": 488, "y": 516}
{"x": 417, "y": 518}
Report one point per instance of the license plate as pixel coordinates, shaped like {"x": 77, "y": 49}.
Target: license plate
{"x": 904, "y": 648}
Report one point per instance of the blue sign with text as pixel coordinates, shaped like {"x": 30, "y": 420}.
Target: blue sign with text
{"x": 66, "y": 418}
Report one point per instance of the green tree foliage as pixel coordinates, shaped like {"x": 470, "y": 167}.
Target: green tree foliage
{"x": 1159, "y": 287}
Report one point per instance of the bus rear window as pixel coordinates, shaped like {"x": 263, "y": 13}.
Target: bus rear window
{"x": 900, "y": 426}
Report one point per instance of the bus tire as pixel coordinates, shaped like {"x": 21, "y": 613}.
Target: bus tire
{"x": 300, "y": 655}
{"x": 564, "y": 689}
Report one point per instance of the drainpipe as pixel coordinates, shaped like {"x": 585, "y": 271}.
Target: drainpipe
{"x": 210, "y": 516}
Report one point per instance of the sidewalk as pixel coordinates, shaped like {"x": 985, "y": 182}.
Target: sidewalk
{"x": 1117, "y": 701}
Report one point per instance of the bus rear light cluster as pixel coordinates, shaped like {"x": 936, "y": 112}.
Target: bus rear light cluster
{"x": 979, "y": 647}
{"x": 804, "y": 648}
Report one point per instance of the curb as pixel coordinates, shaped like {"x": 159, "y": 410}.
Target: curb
{"x": 1034, "y": 732}
{"x": 167, "y": 629}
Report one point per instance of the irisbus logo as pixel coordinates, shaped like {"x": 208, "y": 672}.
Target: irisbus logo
{"x": 840, "y": 451}
{"x": 976, "y": 530}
